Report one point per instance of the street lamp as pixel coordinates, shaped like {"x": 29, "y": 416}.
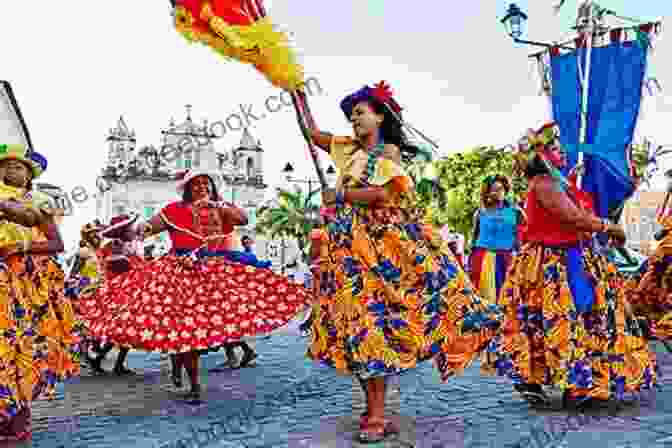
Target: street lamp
{"x": 514, "y": 22}
{"x": 289, "y": 169}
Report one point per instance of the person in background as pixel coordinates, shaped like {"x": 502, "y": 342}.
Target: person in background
{"x": 495, "y": 237}
{"x": 455, "y": 241}
{"x": 249, "y": 355}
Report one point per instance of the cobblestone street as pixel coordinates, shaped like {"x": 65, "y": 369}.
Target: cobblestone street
{"x": 287, "y": 401}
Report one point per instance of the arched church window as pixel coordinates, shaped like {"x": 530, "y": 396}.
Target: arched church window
{"x": 250, "y": 167}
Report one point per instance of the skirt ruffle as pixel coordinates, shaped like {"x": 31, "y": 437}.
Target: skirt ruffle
{"x": 389, "y": 297}
{"x": 651, "y": 295}
{"x": 39, "y": 341}
{"x": 601, "y": 354}
{"x": 176, "y": 304}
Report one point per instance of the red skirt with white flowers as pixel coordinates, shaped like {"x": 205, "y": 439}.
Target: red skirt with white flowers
{"x": 176, "y": 305}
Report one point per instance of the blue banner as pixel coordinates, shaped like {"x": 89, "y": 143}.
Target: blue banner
{"x": 614, "y": 97}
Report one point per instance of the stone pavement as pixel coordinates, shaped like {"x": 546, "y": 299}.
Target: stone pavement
{"x": 287, "y": 401}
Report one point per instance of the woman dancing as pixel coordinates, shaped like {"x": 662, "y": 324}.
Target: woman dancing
{"x": 389, "y": 294}
{"x": 117, "y": 255}
{"x": 195, "y": 298}
{"x": 39, "y": 345}
{"x": 567, "y": 324}
{"x": 650, "y": 291}
{"x": 495, "y": 237}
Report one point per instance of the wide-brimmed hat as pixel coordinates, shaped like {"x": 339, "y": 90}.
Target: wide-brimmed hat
{"x": 117, "y": 225}
{"x": 187, "y": 176}
{"x": 381, "y": 93}
{"x": 35, "y": 161}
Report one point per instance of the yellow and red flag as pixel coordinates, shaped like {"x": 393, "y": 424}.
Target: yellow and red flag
{"x": 239, "y": 30}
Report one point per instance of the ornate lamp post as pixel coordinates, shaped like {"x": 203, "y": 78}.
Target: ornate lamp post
{"x": 514, "y": 22}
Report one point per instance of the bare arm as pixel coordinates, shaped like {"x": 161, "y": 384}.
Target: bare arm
{"x": 54, "y": 243}
{"x": 235, "y": 215}
{"x": 21, "y": 214}
{"x": 152, "y": 227}
{"x": 476, "y": 229}
{"x": 371, "y": 195}
{"x": 562, "y": 208}
{"x": 321, "y": 139}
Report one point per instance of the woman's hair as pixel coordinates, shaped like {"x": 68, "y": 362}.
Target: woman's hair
{"x": 187, "y": 196}
{"x": 489, "y": 182}
{"x": 536, "y": 167}
{"x": 391, "y": 131}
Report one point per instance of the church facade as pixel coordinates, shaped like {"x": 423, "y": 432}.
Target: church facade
{"x": 142, "y": 180}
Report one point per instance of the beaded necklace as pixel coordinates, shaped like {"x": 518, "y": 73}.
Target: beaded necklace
{"x": 373, "y": 154}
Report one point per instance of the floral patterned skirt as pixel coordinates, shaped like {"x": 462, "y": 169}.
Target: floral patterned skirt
{"x": 390, "y": 296}
{"x": 651, "y": 295}
{"x": 601, "y": 353}
{"x": 39, "y": 344}
{"x": 175, "y": 305}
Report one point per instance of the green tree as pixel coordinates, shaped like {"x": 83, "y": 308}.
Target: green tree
{"x": 461, "y": 175}
{"x": 292, "y": 217}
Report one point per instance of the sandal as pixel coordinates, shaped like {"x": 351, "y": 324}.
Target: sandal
{"x": 247, "y": 359}
{"x": 95, "y": 365}
{"x": 194, "y": 395}
{"x": 372, "y": 434}
{"x": 390, "y": 427}
{"x": 177, "y": 379}
{"x": 123, "y": 371}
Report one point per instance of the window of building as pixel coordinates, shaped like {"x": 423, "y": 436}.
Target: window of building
{"x": 250, "y": 167}
{"x": 252, "y": 216}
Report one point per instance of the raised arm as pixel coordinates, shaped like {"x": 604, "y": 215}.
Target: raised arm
{"x": 154, "y": 226}
{"x": 321, "y": 139}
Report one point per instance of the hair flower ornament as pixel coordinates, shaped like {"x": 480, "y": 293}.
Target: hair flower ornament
{"x": 383, "y": 93}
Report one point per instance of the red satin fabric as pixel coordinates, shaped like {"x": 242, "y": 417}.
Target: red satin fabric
{"x": 233, "y": 12}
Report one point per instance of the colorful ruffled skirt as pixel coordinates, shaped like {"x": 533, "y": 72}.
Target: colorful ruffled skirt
{"x": 39, "y": 344}
{"x": 390, "y": 296}
{"x": 487, "y": 270}
{"x": 600, "y": 352}
{"x": 651, "y": 295}
{"x": 177, "y": 304}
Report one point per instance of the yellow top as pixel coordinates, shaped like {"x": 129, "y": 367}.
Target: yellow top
{"x": 10, "y": 232}
{"x": 351, "y": 162}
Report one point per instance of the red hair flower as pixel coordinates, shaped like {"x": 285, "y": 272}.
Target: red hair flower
{"x": 383, "y": 93}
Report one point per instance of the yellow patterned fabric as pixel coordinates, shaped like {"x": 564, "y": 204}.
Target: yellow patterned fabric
{"x": 599, "y": 354}
{"x": 260, "y": 43}
{"x": 391, "y": 293}
{"x": 10, "y": 232}
{"x": 39, "y": 345}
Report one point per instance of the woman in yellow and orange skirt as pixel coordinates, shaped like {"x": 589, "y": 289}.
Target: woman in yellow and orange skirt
{"x": 390, "y": 294}
{"x": 39, "y": 345}
{"x": 566, "y": 322}
{"x": 651, "y": 292}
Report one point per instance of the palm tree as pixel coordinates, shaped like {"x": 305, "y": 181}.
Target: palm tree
{"x": 292, "y": 215}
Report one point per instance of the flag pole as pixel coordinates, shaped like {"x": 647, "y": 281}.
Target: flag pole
{"x": 586, "y": 26}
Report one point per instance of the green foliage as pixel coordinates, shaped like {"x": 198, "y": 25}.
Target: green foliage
{"x": 461, "y": 175}
{"x": 293, "y": 217}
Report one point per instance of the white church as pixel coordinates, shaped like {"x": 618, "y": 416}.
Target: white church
{"x": 142, "y": 180}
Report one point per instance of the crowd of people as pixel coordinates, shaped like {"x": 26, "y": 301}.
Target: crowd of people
{"x": 537, "y": 302}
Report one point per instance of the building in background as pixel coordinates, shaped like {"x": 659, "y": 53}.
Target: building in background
{"x": 639, "y": 220}
{"x": 142, "y": 180}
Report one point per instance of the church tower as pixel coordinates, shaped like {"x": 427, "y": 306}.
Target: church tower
{"x": 121, "y": 144}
